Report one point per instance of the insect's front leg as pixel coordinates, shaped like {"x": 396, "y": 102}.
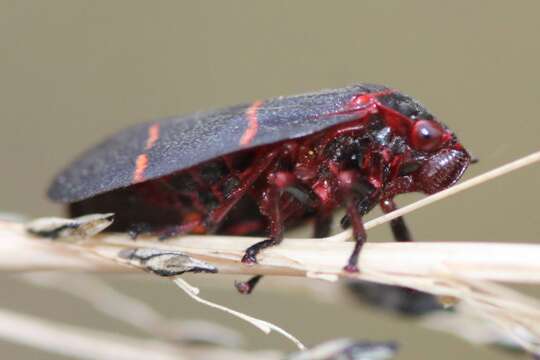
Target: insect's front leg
{"x": 409, "y": 301}
{"x": 359, "y": 234}
{"x": 399, "y": 227}
{"x": 347, "y": 188}
{"x": 397, "y": 186}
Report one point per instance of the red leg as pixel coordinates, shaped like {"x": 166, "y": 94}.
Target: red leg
{"x": 323, "y": 224}
{"x": 359, "y": 234}
{"x": 395, "y": 187}
{"x": 248, "y": 178}
{"x": 244, "y": 228}
{"x": 409, "y": 300}
{"x": 398, "y": 226}
{"x": 246, "y": 287}
{"x": 269, "y": 206}
{"x": 346, "y": 181}
{"x": 217, "y": 215}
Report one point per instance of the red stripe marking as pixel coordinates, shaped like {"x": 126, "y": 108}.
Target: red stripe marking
{"x": 362, "y": 101}
{"x": 253, "y": 124}
{"x": 153, "y": 136}
{"x": 142, "y": 160}
{"x": 140, "y": 166}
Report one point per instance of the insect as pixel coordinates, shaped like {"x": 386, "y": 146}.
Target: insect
{"x": 261, "y": 167}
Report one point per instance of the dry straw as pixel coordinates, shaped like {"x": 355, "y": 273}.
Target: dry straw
{"x": 459, "y": 270}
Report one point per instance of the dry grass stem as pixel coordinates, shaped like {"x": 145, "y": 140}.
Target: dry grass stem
{"x": 460, "y": 270}
{"x": 82, "y": 343}
{"x": 516, "y": 317}
{"x": 408, "y": 264}
{"x": 450, "y": 269}
{"x": 111, "y": 302}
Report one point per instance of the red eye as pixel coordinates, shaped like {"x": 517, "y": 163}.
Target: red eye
{"x": 426, "y": 135}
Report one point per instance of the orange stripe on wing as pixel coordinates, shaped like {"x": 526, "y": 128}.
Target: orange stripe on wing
{"x": 153, "y": 136}
{"x": 142, "y": 160}
{"x": 140, "y": 166}
{"x": 253, "y": 124}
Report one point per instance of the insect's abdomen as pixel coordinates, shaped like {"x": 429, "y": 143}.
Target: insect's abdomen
{"x": 130, "y": 208}
{"x": 181, "y": 197}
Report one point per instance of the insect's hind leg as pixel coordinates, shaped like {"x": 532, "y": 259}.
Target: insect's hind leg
{"x": 246, "y": 287}
{"x": 198, "y": 222}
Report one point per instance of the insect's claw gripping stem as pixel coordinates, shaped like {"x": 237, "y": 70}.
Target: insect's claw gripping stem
{"x": 250, "y": 256}
{"x": 269, "y": 205}
{"x": 246, "y": 287}
{"x": 352, "y": 264}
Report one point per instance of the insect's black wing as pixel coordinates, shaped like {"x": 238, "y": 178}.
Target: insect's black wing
{"x": 151, "y": 150}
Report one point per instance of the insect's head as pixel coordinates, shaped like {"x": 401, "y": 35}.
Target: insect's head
{"x": 431, "y": 152}
{"x": 442, "y": 159}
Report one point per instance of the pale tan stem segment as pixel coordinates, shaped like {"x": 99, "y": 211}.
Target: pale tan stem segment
{"x": 79, "y": 342}
{"x": 82, "y": 343}
{"x": 454, "y": 269}
{"x": 407, "y": 264}
{"x": 458, "y": 270}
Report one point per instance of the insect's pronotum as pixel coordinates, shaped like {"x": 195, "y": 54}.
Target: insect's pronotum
{"x": 255, "y": 169}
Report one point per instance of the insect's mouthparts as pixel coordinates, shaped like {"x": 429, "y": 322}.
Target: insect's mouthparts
{"x": 443, "y": 170}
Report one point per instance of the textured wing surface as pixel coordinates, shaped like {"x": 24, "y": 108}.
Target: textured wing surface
{"x": 154, "y": 149}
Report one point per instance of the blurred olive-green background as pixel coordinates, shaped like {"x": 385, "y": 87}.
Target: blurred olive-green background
{"x": 72, "y": 72}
